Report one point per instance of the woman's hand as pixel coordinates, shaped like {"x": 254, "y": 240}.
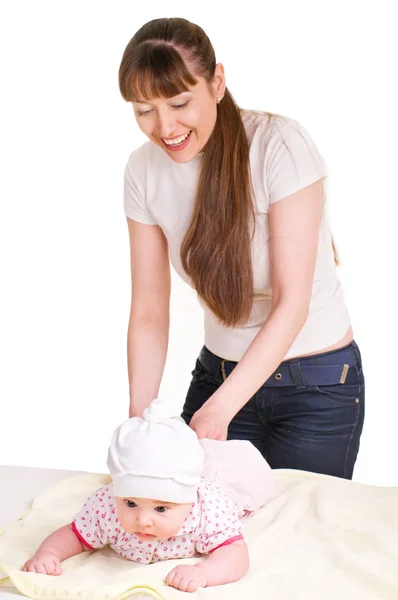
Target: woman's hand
{"x": 210, "y": 423}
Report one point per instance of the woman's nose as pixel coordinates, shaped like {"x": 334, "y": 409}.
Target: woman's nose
{"x": 166, "y": 125}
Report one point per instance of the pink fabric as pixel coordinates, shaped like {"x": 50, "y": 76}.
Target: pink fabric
{"x": 81, "y": 538}
{"x": 213, "y": 520}
{"x": 237, "y": 538}
{"x": 239, "y": 469}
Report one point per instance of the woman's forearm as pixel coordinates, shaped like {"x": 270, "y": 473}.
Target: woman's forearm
{"x": 262, "y": 357}
{"x": 147, "y": 343}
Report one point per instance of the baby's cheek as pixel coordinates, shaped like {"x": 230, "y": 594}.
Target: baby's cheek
{"x": 173, "y": 524}
{"x": 126, "y": 522}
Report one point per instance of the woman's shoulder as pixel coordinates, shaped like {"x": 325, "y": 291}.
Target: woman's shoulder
{"x": 268, "y": 125}
{"x": 276, "y": 140}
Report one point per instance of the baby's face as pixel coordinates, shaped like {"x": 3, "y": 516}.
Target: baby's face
{"x": 151, "y": 519}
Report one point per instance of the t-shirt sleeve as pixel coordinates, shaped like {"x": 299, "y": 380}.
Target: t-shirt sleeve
{"x": 92, "y": 523}
{"x": 219, "y": 523}
{"x": 134, "y": 190}
{"x": 292, "y": 160}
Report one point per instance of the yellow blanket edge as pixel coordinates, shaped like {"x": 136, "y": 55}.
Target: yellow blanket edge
{"x": 35, "y": 591}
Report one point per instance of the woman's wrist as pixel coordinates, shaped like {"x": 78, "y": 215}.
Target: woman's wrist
{"x": 136, "y": 409}
{"x": 227, "y": 400}
{"x": 140, "y": 401}
{"x": 219, "y": 404}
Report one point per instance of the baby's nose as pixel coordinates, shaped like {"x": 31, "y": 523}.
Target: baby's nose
{"x": 144, "y": 519}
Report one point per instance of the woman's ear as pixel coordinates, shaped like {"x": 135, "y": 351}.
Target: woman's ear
{"x": 218, "y": 82}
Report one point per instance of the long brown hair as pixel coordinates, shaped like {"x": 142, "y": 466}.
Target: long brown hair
{"x": 216, "y": 249}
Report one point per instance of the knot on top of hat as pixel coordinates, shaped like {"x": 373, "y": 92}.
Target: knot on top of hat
{"x": 157, "y": 411}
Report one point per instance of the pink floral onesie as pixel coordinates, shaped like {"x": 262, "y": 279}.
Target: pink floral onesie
{"x": 212, "y": 522}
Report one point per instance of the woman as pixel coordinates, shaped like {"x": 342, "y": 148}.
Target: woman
{"x": 235, "y": 198}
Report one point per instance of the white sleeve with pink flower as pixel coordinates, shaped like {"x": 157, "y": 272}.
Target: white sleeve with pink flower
{"x": 219, "y": 523}
{"x": 97, "y": 525}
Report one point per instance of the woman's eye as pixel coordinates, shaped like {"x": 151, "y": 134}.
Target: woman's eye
{"x": 130, "y": 503}
{"x": 143, "y": 113}
{"x": 161, "y": 509}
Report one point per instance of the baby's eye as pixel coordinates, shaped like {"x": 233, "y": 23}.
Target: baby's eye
{"x": 161, "y": 509}
{"x": 130, "y": 503}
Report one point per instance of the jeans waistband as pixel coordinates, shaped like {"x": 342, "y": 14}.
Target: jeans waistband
{"x": 327, "y": 368}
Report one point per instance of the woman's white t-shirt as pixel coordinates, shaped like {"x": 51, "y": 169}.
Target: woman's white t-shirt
{"x": 283, "y": 160}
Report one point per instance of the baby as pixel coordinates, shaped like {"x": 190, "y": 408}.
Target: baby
{"x": 158, "y": 507}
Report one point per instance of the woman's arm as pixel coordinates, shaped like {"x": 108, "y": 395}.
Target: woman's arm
{"x": 294, "y": 236}
{"x": 148, "y": 328}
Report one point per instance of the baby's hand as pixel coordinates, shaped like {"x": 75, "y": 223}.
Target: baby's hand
{"x": 47, "y": 563}
{"x": 187, "y": 578}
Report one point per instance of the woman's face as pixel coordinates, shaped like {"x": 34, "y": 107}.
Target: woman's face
{"x": 182, "y": 125}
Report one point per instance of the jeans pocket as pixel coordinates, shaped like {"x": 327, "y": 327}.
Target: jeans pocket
{"x": 342, "y": 393}
{"x": 200, "y": 373}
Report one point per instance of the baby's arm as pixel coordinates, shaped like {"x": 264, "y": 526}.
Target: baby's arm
{"x": 58, "y": 546}
{"x": 224, "y": 565}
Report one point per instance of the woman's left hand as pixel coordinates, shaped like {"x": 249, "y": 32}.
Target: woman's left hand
{"x": 209, "y": 423}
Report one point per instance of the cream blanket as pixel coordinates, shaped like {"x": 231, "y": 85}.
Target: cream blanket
{"x": 318, "y": 537}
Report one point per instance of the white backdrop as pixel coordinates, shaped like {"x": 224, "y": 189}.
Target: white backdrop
{"x": 65, "y": 137}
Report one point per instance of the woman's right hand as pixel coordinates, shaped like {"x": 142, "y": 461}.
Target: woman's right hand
{"x": 46, "y": 563}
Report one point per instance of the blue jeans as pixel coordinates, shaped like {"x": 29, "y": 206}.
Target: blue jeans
{"x": 308, "y": 415}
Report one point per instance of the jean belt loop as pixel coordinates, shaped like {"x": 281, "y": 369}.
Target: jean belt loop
{"x": 222, "y": 369}
{"x": 296, "y": 374}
